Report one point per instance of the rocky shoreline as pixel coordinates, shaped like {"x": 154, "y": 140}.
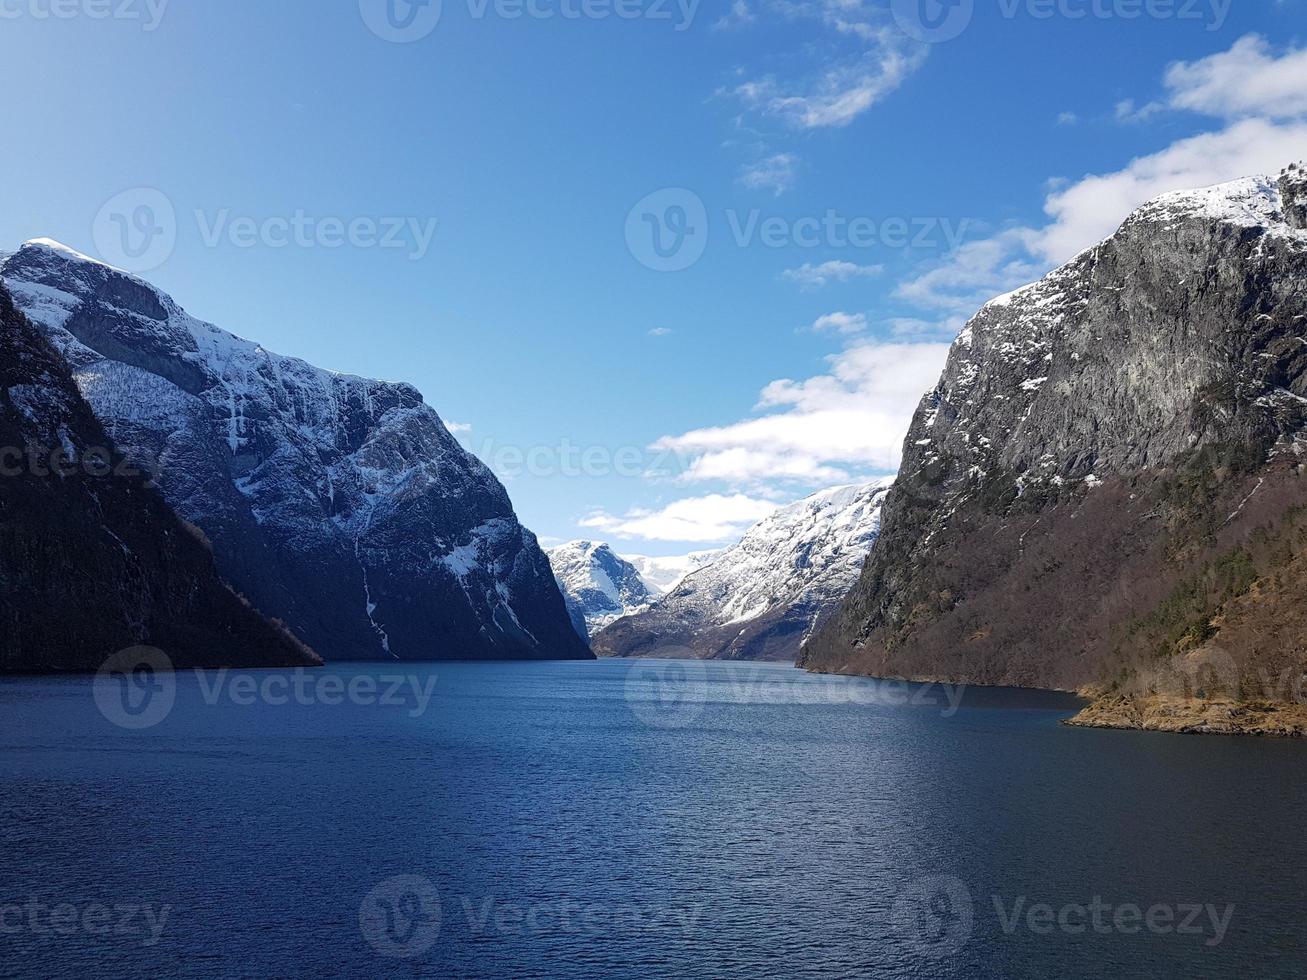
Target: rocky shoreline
{"x": 1194, "y": 716}
{"x": 1167, "y": 713}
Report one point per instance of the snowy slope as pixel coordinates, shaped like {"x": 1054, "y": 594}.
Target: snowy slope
{"x": 662, "y": 574}
{"x": 338, "y": 504}
{"x": 599, "y": 587}
{"x": 765, "y": 595}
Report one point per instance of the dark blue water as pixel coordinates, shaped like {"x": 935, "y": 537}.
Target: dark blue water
{"x": 610, "y": 819}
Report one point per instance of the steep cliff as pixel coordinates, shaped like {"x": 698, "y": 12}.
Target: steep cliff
{"x": 338, "y": 504}
{"x": 1105, "y": 489}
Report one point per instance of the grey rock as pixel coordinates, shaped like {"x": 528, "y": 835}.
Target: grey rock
{"x": 93, "y": 563}
{"x": 1045, "y": 511}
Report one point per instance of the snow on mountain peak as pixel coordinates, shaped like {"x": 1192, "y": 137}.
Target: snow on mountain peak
{"x": 811, "y": 548}
{"x": 761, "y": 598}
{"x": 1249, "y": 202}
{"x": 598, "y": 586}
{"x": 55, "y": 246}
{"x": 1275, "y": 203}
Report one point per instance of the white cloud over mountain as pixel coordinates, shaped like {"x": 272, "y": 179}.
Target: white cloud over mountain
{"x": 708, "y": 519}
{"x": 1261, "y": 100}
{"x": 824, "y": 429}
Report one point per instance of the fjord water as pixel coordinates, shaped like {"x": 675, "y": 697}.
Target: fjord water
{"x": 632, "y": 820}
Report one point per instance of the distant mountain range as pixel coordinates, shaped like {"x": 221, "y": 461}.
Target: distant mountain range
{"x": 760, "y": 599}
{"x": 1105, "y": 490}
{"x": 662, "y": 575}
{"x": 340, "y": 505}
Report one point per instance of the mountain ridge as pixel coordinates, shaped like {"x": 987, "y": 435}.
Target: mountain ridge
{"x": 763, "y": 596}
{"x": 341, "y": 505}
{"x": 598, "y": 585}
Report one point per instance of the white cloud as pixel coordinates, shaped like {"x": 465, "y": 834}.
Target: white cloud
{"x": 1248, "y": 80}
{"x": 1094, "y": 207}
{"x": 825, "y": 429}
{"x": 1128, "y": 112}
{"x": 948, "y": 327}
{"x": 841, "y": 93}
{"x": 660, "y": 332}
{"x": 458, "y": 427}
{"x": 739, "y": 16}
{"x": 841, "y": 323}
{"x": 857, "y": 60}
{"x": 1067, "y": 119}
{"x": 975, "y": 272}
{"x": 775, "y": 174}
{"x": 816, "y": 276}
{"x": 712, "y": 518}
{"x": 738, "y": 465}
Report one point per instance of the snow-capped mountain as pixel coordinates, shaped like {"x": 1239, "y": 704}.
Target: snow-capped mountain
{"x": 598, "y": 586}
{"x": 340, "y": 505}
{"x": 92, "y": 560}
{"x": 763, "y": 597}
{"x": 1105, "y": 488}
{"x": 662, "y": 574}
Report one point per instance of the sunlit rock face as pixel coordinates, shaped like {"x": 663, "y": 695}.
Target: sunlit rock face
{"x": 1109, "y": 466}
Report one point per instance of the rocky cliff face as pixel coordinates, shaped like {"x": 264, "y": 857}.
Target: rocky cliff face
{"x": 1106, "y": 486}
{"x": 338, "y": 504}
{"x": 762, "y": 598}
{"x": 92, "y": 561}
{"x": 598, "y": 586}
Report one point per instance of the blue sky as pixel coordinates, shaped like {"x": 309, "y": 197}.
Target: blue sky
{"x": 852, "y": 186}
